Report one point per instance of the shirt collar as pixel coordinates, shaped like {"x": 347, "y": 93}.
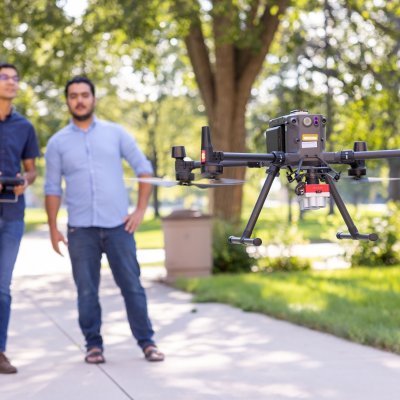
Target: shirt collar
{"x": 91, "y": 127}
{"x": 10, "y": 114}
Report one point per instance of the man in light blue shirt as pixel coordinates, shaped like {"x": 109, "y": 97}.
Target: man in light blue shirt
{"x": 88, "y": 154}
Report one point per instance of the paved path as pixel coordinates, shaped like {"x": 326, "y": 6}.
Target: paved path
{"x": 213, "y": 351}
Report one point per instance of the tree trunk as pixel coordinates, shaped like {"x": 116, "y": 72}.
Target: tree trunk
{"x": 226, "y": 202}
{"x": 225, "y": 85}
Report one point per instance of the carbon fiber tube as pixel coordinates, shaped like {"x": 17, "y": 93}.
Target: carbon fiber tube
{"x": 373, "y": 237}
{"x": 246, "y": 241}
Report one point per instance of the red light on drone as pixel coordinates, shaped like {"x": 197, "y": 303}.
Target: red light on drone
{"x": 203, "y": 157}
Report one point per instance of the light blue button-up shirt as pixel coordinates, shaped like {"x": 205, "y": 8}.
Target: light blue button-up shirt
{"x": 91, "y": 164}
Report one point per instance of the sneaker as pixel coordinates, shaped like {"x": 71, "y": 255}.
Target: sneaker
{"x": 5, "y": 365}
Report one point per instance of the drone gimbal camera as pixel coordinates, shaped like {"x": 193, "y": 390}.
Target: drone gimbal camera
{"x": 8, "y": 184}
{"x": 295, "y": 142}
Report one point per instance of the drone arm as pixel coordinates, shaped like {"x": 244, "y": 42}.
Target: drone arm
{"x": 346, "y": 216}
{"x": 245, "y": 238}
{"x": 257, "y": 157}
{"x": 349, "y": 156}
{"x": 249, "y": 164}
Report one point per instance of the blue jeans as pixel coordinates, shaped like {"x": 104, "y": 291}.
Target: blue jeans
{"x": 85, "y": 246}
{"x": 10, "y": 238}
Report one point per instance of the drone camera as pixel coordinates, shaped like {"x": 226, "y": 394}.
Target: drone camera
{"x": 312, "y": 196}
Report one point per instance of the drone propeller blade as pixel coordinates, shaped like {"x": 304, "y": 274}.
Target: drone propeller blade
{"x": 155, "y": 181}
{"x": 212, "y": 183}
{"x": 202, "y": 183}
{"x": 369, "y": 179}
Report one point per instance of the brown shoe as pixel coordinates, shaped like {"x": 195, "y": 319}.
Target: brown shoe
{"x": 5, "y": 365}
{"x": 151, "y": 353}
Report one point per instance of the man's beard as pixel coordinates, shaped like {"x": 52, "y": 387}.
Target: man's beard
{"x": 83, "y": 117}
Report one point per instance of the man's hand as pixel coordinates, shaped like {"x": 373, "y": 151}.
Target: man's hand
{"x": 56, "y": 237}
{"x": 132, "y": 221}
{"x": 20, "y": 189}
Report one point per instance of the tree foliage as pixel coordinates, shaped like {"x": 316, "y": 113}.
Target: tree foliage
{"x": 226, "y": 43}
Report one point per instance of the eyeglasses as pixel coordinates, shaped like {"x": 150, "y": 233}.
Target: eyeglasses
{"x": 5, "y": 77}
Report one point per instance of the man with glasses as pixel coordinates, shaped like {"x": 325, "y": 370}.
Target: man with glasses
{"x": 18, "y": 147}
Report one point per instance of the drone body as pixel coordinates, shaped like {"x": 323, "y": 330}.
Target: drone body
{"x": 295, "y": 142}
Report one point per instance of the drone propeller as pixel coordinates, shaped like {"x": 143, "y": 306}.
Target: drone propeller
{"x": 202, "y": 183}
{"x": 210, "y": 183}
{"x": 154, "y": 181}
{"x": 366, "y": 179}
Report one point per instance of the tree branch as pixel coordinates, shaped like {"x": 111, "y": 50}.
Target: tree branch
{"x": 200, "y": 60}
{"x": 250, "y": 62}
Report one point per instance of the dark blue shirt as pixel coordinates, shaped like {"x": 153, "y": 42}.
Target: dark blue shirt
{"x": 17, "y": 142}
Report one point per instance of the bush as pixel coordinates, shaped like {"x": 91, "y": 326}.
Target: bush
{"x": 287, "y": 264}
{"x": 229, "y": 258}
{"x": 284, "y": 239}
{"x": 386, "y": 250}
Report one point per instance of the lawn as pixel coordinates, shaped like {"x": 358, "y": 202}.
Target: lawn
{"x": 149, "y": 235}
{"x": 316, "y": 226}
{"x": 360, "y": 304}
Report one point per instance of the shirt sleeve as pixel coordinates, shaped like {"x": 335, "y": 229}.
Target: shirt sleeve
{"x": 31, "y": 148}
{"x": 53, "y": 173}
{"x": 131, "y": 152}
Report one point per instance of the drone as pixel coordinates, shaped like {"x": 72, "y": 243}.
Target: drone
{"x": 295, "y": 142}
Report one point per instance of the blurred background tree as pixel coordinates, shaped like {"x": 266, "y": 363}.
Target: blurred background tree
{"x": 165, "y": 68}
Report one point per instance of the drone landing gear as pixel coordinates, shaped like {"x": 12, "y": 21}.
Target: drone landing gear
{"x": 245, "y": 238}
{"x": 272, "y": 173}
{"x": 353, "y": 231}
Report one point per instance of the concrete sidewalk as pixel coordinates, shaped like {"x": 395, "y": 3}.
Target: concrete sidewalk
{"x": 212, "y": 351}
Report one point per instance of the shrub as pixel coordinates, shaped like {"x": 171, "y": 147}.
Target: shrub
{"x": 386, "y": 250}
{"x": 287, "y": 264}
{"x": 284, "y": 239}
{"x": 229, "y": 258}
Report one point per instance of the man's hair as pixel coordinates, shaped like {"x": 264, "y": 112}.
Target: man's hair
{"x": 79, "y": 79}
{"x": 8, "y": 65}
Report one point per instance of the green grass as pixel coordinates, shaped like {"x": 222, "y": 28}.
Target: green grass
{"x": 34, "y": 217}
{"x": 358, "y": 304}
{"x": 316, "y": 226}
{"x": 149, "y": 235}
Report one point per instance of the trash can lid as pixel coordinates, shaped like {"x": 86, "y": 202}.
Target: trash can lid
{"x": 186, "y": 214}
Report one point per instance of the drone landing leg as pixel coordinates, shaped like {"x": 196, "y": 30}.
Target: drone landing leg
{"x": 245, "y": 239}
{"x": 346, "y": 217}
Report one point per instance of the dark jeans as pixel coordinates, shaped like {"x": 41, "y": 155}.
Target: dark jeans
{"x": 10, "y": 239}
{"x": 85, "y": 246}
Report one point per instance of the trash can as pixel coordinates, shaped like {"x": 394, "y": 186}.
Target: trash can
{"x": 187, "y": 242}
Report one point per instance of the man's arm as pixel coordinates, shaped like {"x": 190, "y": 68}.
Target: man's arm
{"x": 29, "y": 175}
{"x": 52, "y": 204}
{"x": 132, "y": 221}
